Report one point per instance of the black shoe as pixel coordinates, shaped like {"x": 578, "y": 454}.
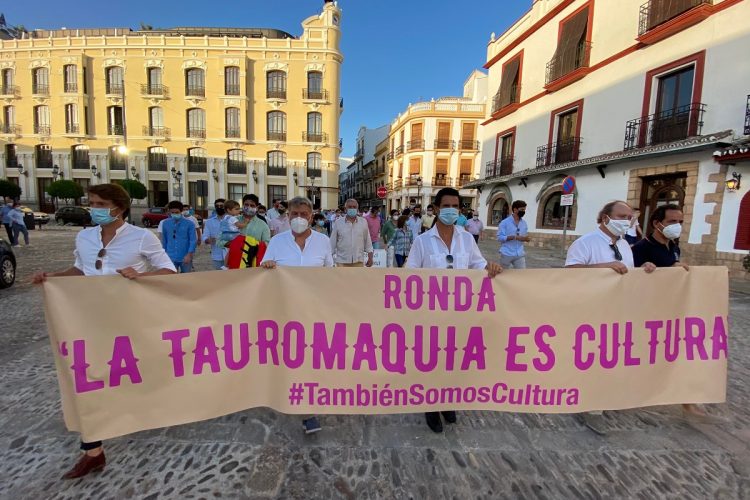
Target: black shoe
{"x": 449, "y": 416}
{"x": 433, "y": 421}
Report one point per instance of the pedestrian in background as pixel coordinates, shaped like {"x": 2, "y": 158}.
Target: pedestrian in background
{"x": 18, "y": 225}
{"x": 475, "y": 227}
{"x": 280, "y": 223}
{"x": 212, "y": 233}
{"x": 402, "y": 241}
{"x": 319, "y": 224}
{"x": 179, "y": 237}
{"x": 374, "y": 224}
{"x": 428, "y": 220}
{"x": 512, "y": 234}
{"x": 350, "y": 238}
{"x": 389, "y": 228}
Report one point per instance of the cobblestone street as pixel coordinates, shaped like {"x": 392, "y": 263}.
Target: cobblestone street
{"x": 649, "y": 453}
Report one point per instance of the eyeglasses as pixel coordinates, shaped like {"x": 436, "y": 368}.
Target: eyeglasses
{"x": 449, "y": 261}
{"x": 100, "y": 256}
{"x": 618, "y": 255}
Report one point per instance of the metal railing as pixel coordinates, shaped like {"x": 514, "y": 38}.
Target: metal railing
{"x": 116, "y": 129}
{"x": 565, "y": 63}
{"x": 667, "y": 126}
{"x": 503, "y": 166}
{"x": 314, "y": 137}
{"x": 195, "y": 91}
{"x": 656, "y": 12}
{"x": 158, "y": 164}
{"x": 196, "y": 133}
{"x": 314, "y": 172}
{"x": 233, "y": 133}
{"x": 72, "y": 128}
{"x": 441, "y": 180}
{"x": 399, "y": 150}
{"x": 500, "y": 101}
{"x": 149, "y": 131}
{"x": 231, "y": 89}
{"x": 275, "y": 94}
{"x": 42, "y": 129}
{"x": 276, "y": 136}
{"x": 115, "y": 89}
{"x": 315, "y": 95}
{"x": 6, "y": 90}
{"x": 236, "y": 167}
{"x": 40, "y": 89}
{"x": 271, "y": 170}
{"x": 10, "y": 129}
{"x": 415, "y": 145}
{"x": 445, "y": 144}
{"x": 71, "y": 87}
{"x": 413, "y": 180}
{"x": 389, "y": 155}
{"x": 747, "y": 117}
{"x": 463, "y": 179}
{"x": 468, "y": 145}
{"x": 154, "y": 89}
{"x": 560, "y": 152}
{"x": 197, "y": 164}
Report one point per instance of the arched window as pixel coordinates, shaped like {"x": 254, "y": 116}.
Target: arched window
{"x": 40, "y": 81}
{"x": 41, "y": 120}
{"x": 314, "y": 127}
{"x": 195, "y": 82}
{"x": 118, "y": 158}
{"x": 276, "y": 161}
{"x": 71, "y": 119}
{"x": 196, "y": 123}
{"x": 232, "y": 122}
{"x": 114, "y": 80}
{"x": 551, "y": 214}
{"x": 156, "y": 121}
{"x": 742, "y": 237}
{"x": 197, "y": 161}
{"x": 314, "y": 85}
{"x": 314, "y": 161}
{"x": 276, "y": 126}
{"x": 499, "y": 211}
{"x": 276, "y": 85}
{"x": 157, "y": 159}
{"x": 231, "y": 80}
{"x": 43, "y": 154}
{"x": 236, "y": 162}
{"x": 154, "y": 85}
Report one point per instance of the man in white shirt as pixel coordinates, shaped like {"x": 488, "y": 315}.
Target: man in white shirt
{"x": 111, "y": 247}
{"x": 280, "y": 223}
{"x": 189, "y": 214}
{"x": 605, "y": 247}
{"x": 273, "y": 212}
{"x": 446, "y": 246}
{"x": 415, "y": 221}
{"x": 212, "y": 234}
{"x": 350, "y": 238}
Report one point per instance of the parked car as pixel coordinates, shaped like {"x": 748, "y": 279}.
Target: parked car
{"x": 73, "y": 215}
{"x": 7, "y": 265}
{"x": 40, "y": 218}
{"x": 155, "y": 215}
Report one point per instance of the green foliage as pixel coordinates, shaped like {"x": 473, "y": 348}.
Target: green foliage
{"x": 136, "y": 189}
{"x": 9, "y": 189}
{"x": 65, "y": 189}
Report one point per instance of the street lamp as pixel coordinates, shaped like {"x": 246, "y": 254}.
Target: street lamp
{"x": 419, "y": 190}
{"x": 732, "y": 184}
{"x": 56, "y": 172}
{"x": 255, "y": 176}
{"x": 22, "y": 171}
{"x": 215, "y": 175}
{"x": 94, "y": 172}
{"x": 296, "y": 182}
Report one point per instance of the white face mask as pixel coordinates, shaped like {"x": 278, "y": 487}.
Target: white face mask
{"x": 299, "y": 225}
{"x": 617, "y": 227}
{"x": 672, "y": 231}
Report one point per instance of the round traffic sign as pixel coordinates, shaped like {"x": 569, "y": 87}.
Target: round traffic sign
{"x": 569, "y": 184}
{"x": 382, "y": 192}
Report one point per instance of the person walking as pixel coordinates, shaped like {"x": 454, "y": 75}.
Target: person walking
{"x": 7, "y": 208}
{"x": 402, "y": 241}
{"x": 111, "y": 247}
{"x": 350, "y": 238}
{"x": 179, "y": 237}
{"x": 389, "y": 228}
{"x": 374, "y": 224}
{"x": 18, "y": 225}
{"x": 212, "y": 234}
{"x": 512, "y": 234}
{"x": 475, "y": 227}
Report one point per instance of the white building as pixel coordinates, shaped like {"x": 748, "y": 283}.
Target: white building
{"x": 633, "y": 100}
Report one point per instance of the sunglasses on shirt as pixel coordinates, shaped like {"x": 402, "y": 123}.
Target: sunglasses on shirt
{"x": 100, "y": 255}
{"x": 449, "y": 261}
{"x": 618, "y": 255}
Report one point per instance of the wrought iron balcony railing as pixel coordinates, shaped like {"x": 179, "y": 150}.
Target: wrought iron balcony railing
{"x": 413, "y": 181}
{"x": 656, "y": 12}
{"x": 415, "y": 145}
{"x": 116, "y": 129}
{"x": 158, "y": 164}
{"x": 502, "y": 100}
{"x": 71, "y": 87}
{"x": 197, "y": 164}
{"x": 10, "y": 129}
{"x": 560, "y": 152}
{"x": 196, "y": 133}
{"x": 399, "y": 150}
{"x": 195, "y": 91}
{"x": 72, "y": 128}
{"x": 503, "y": 166}
{"x": 463, "y": 179}
{"x": 445, "y": 144}
{"x": 233, "y": 133}
{"x": 314, "y": 173}
{"x": 389, "y": 156}
{"x": 231, "y": 89}
{"x": 42, "y": 129}
{"x": 115, "y": 89}
{"x": 315, "y": 94}
{"x": 8, "y": 90}
{"x": 275, "y": 94}
{"x": 276, "y": 170}
{"x": 236, "y": 167}
{"x": 154, "y": 89}
{"x": 442, "y": 180}
{"x": 163, "y": 132}
{"x": 667, "y": 126}
{"x": 468, "y": 145}
{"x": 40, "y": 89}
{"x": 276, "y": 136}
{"x": 314, "y": 137}
{"x": 567, "y": 62}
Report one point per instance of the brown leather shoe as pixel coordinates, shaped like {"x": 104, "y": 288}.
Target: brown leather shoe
{"x": 85, "y": 465}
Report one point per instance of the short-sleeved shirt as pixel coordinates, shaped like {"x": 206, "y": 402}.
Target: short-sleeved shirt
{"x": 660, "y": 255}
{"x": 131, "y": 247}
{"x": 429, "y": 251}
{"x": 286, "y": 253}
{"x": 279, "y": 225}
{"x": 594, "y": 248}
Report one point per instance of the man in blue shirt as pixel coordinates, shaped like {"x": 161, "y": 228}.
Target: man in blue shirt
{"x": 179, "y": 237}
{"x": 212, "y": 234}
{"x": 512, "y": 234}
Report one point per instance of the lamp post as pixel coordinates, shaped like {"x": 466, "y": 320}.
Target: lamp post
{"x": 56, "y": 172}
{"x": 419, "y": 190}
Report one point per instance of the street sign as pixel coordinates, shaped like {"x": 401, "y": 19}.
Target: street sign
{"x": 566, "y": 200}
{"x": 382, "y": 192}
{"x": 177, "y": 191}
{"x": 569, "y": 184}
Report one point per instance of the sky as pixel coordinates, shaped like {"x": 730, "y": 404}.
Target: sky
{"x": 395, "y": 52}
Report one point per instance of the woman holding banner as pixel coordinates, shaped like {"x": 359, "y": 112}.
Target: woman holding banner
{"x": 111, "y": 247}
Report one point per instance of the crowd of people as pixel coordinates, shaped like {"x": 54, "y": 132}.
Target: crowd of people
{"x": 295, "y": 234}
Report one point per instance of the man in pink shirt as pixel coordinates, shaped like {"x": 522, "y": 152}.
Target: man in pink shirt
{"x": 373, "y": 223}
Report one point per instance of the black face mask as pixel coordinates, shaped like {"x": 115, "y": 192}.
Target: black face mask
{"x": 521, "y": 213}
{"x": 220, "y": 211}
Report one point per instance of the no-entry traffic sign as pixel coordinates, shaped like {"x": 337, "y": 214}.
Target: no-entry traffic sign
{"x": 569, "y": 184}
{"x": 382, "y": 192}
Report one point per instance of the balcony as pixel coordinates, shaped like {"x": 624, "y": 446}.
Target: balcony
{"x": 319, "y": 137}
{"x": 445, "y": 144}
{"x": 116, "y": 129}
{"x": 196, "y": 133}
{"x": 462, "y": 180}
{"x": 395, "y": 184}
{"x": 314, "y": 95}
{"x": 233, "y": 133}
{"x": 380, "y": 170}
{"x": 468, "y": 145}
{"x": 40, "y": 89}
{"x": 197, "y": 165}
{"x": 399, "y": 150}
{"x": 117, "y": 89}
{"x": 747, "y": 116}
{"x": 195, "y": 91}
{"x": 276, "y": 136}
{"x": 276, "y": 170}
{"x": 8, "y": 129}
{"x": 314, "y": 173}
{"x": 42, "y": 130}
{"x": 507, "y": 102}
{"x": 442, "y": 181}
{"x": 157, "y": 163}
{"x": 72, "y": 129}
{"x": 412, "y": 181}
{"x": 162, "y": 132}
{"x": 560, "y": 152}
{"x": 503, "y": 166}
{"x": 667, "y": 126}
{"x": 566, "y": 68}
{"x": 660, "y": 19}
{"x": 70, "y": 87}
{"x": 415, "y": 145}
{"x": 275, "y": 94}
{"x": 231, "y": 89}
{"x": 154, "y": 90}
{"x": 8, "y": 91}
{"x": 389, "y": 156}
{"x": 236, "y": 167}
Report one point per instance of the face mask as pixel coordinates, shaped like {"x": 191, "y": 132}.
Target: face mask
{"x": 521, "y": 213}
{"x": 618, "y": 227}
{"x": 351, "y": 212}
{"x": 101, "y": 216}
{"x": 249, "y": 211}
{"x": 395, "y": 218}
{"x": 299, "y": 225}
{"x": 176, "y": 216}
{"x": 321, "y": 223}
{"x": 429, "y": 212}
{"x": 672, "y": 231}
{"x": 186, "y": 213}
{"x": 476, "y": 217}
{"x": 262, "y": 214}
{"x": 220, "y": 211}
{"x": 448, "y": 216}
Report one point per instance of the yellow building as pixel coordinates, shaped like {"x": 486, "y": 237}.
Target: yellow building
{"x": 193, "y": 113}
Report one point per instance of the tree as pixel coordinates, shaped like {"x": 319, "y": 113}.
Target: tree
{"x": 65, "y": 189}
{"x": 136, "y": 190}
{"x": 9, "y": 189}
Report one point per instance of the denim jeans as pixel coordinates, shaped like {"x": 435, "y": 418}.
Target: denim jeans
{"x": 9, "y": 230}
{"x": 218, "y": 264}
{"x": 17, "y": 229}
{"x": 400, "y": 259}
{"x": 182, "y": 267}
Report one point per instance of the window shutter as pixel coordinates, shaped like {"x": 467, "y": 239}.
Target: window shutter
{"x": 415, "y": 166}
{"x": 466, "y": 166}
{"x": 742, "y": 238}
{"x": 467, "y": 132}
{"x": 416, "y": 131}
{"x": 510, "y": 74}
{"x": 441, "y": 167}
{"x": 444, "y": 131}
{"x": 573, "y": 33}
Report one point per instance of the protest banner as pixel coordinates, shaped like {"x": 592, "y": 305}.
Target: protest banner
{"x": 167, "y": 350}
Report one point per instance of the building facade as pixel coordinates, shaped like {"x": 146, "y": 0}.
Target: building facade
{"x": 632, "y": 99}
{"x": 435, "y": 144}
{"x": 193, "y": 113}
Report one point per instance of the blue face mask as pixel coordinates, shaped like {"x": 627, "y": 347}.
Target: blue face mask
{"x": 351, "y": 212}
{"x": 448, "y": 216}
{"x": 176, "y": 216}
{"x": 321, "y": 223}
{"x": 101, "y": 216}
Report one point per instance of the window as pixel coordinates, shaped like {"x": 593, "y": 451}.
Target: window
{"x": 466, "y": 169}
{"x": 41, "y": 120}
{"x": 674, "y": 106}
{"x": 11, "y": 156}
{"x": 276, "y": 193}
{"x": 441, "y": 172}
{"x": 71, "y": 119}
{"x": 500, "y": 210}
{"x": 232, "y": 80}
{"x": 197, "y": 161}
{"x": 195, "y": 83}
{"x": 236, "y": 191}
{"x": 661, "y": 11}
{"x": 276, "y": 163}
{"x": 118, "y": 158}
{"x": 467, "y": 137}
{"x": 314, "y": 162}
{"x": 314, "y": 127}
{"x": 86, "y": 120}
{"x": 510, "y": 85}
{"x": 236, "y": 162}
{"x": 156, "y": 122}
{"x": 85, "y": 82}
{"x": 154, "y": 85}
{"x": 40, "y": 81}
{"x": 572, "y": 48}
{"x": 444, "y": 136}
{"x": 9, "y": 120}
{"x": 314, "y": 85}
{"x": 276, "y": 126}
{"x": 70, "y": 78}
{"x": 552, "y": 214}
{"x": 80, "y": 155}
{"x": 567, "y": 141}
{"x": 115, "y": 121}
{"x": 6, "y": 84}
{"x": 276, "y": 85}
{"x": 505, "y": 149}
{"x": 196, "y": 123}
{"x": 43, "y": 154}
{"x": 416, "y": 142}
{"x": 157, "y": 159}
{"x": 114, "y": 80}
{"x": 232, "y": 122}
{"x": 415, "y": 166}
{"x": 197, "y": 192}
